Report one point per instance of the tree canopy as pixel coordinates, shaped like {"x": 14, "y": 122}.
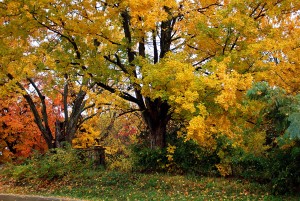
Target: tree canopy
{"x": 182, "y": 60}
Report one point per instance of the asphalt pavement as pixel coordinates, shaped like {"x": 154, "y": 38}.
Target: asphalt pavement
{"x": 10, "y": 197}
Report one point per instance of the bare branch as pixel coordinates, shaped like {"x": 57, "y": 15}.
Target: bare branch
{"x": 203, "y": 60}
{"x": 129, "y": 111}
{"x": 87, "y": 118}
{"x": 108, "y": 39}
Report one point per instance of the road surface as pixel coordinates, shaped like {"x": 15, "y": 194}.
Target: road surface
{"x": 11, "y": 197}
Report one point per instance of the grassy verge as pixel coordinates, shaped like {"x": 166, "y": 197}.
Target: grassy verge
{"x": 109, "y": 185}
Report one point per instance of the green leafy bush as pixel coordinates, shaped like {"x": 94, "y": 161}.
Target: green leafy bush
{"x": 188, "y": 157}
{"x": 54, "y": 164}
{"x": 280, "y": 168}
{"x": 281, "y": 122}
{"x": 148, "y": 160}
{"x": 286, "y": 170}
{"x": 251, "y": 167}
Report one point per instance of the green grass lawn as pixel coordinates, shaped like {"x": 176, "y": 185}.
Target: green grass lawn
{"x": 109, "y": 185}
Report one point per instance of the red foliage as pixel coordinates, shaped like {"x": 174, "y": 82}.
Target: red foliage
{"x": 19, "y": 135}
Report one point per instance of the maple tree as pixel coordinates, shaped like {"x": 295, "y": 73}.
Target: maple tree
{"x": 20, "y": 72}
{"x": 190, "y": 60}
{"x": 19, "y": 134}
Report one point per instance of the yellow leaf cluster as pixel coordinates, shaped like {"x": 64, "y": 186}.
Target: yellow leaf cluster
{"x": 198, "y": 131}
{"x": 170, "y": 152}
{"x": 224, "y": 169}
{"x": 146, "y": 13}
{"x": 255, "y": 143}
{"x": 86, "y": 138}
{"x": 229, "y": 82}
{"x": 179, "y": 85}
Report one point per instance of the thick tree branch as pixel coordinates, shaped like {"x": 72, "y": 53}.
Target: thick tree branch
{"x": 131, "y": 55}
{"x": 155, "y": 51}
{"x": 46, "y": 133}
{"x": 142, "y": 48}
{"x": 44, "y": 106}
{"x": 121, "y": 94}
{"x": 126, "y": 26}
{"x": 117, "y": 63}
{"x": 65, "y": 100}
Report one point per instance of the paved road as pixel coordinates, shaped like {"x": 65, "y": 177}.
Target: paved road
{"x": 9, "y": 197}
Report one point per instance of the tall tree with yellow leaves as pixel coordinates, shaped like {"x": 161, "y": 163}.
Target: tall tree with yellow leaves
{"x": 180, "y": 59}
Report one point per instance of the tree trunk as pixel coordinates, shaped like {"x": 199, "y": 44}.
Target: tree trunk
{"x": 48, "y": 138}
{"x": 156, "y": 118}
{"x": 59, "y": 133}
{"x": 158, "y": 135}
{"x": 72, "y": 122}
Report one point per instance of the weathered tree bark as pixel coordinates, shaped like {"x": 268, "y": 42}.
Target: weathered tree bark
{"x": 65, "y": 130}
{"x": 59, "y": 133}
{"x": 157, "y": 117}
{"x": 71, "y": 126}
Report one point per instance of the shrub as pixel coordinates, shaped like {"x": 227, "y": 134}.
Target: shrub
{"x": 148, "y": 160}
{"x": 119, "y": 159}
{"x": 278, "y": 167}
{"x": 286, "y": 170}
{"x": 251, "y": 167}
{"x": 56, "y": 163}
{"x": 187, "y": 157}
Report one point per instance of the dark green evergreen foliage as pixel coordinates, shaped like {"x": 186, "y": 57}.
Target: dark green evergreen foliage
{"x": 280, "y": 165}
{"x": 293, "y": 131}
{"x": 286, "y": 170}
{"x": 252, "y": 168}
{"x": 281, "y": 113}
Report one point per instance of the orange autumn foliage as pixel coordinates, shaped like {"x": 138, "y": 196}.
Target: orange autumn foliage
{"x": 19, "y": 135}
